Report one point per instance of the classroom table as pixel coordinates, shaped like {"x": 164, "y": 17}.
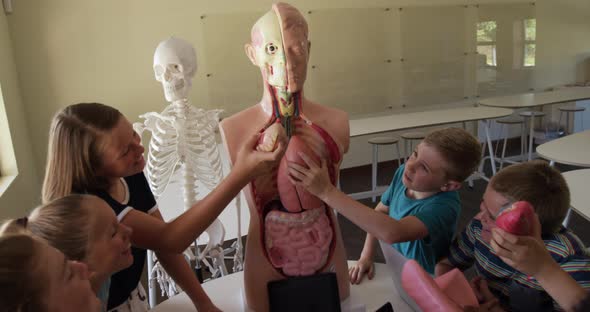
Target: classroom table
{"x": 527, "y": 100}
{"x": 573, "y": 149}
{"x": 227, "y": 294}
{"x": 385, "y": 122}
{"x": 578, "y": 181}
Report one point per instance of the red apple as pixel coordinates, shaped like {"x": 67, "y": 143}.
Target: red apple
{"x": 517, "y": 219}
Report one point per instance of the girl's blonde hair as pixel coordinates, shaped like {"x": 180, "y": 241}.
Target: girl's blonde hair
{"x": 66, "y": 224}
{"x": 75, "y": 149}
{"x": 21, "y": 281}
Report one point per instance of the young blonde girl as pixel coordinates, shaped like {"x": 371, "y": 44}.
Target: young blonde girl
{"x": 37, "y": 277}
{"x": 85, "y": 229}
{"x": 93, "y": 149}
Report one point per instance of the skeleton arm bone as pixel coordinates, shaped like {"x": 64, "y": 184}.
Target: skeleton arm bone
{"x": 150, "y": 122}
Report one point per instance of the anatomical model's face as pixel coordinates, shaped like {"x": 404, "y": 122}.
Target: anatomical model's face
{"x": 267, "y": 42}
{"x": 281, "y": 49}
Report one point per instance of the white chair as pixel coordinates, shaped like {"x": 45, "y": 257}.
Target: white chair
{"x": 567, "y": 111}
{"x": 529, "y": 116}
{"x": 409, "y": 139}
{"x": 505, "y": 123}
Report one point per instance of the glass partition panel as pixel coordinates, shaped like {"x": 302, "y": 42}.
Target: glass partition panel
{"x": 234, "y": 83}
{"x": 434, "y": 52}
{"x": 367, "y": 60}
{"x": 354, "y": 63}
{"x": 506, "y": 35}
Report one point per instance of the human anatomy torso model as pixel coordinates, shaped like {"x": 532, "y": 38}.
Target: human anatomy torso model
{"x": 291, "y": 233}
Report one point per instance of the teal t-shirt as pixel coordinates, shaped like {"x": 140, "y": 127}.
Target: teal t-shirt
{"x": 439, "y": 213}
{"x": 103, "y": 294}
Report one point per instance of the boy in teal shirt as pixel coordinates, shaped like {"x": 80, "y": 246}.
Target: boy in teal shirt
{"x": 422, "y": 201}
{"x": 438, "y": 213}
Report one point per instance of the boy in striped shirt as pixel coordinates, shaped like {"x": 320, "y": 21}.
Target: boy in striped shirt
{"x": 545, "y": 188}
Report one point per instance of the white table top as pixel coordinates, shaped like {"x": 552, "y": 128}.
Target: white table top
{"x": 578, "y": 181}
{"x": 227, "y": 294}
{"x": 538, "y": 99}
{"x": 398, "y": 121}
{"x": 573, "y": 149}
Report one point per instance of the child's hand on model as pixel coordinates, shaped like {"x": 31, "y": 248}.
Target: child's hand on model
{"x": 313, "y": 177}
{"x": 255, "y": 163}
{"x": 524, "y": 253}
{"x": 360, "y": 269}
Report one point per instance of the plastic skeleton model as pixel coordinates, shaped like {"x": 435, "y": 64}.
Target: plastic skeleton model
{"x": 292, "y": 233}
{"x": 183, "y": 138}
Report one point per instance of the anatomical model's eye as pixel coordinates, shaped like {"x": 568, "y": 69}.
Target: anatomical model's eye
{"x": 271, "y": 48}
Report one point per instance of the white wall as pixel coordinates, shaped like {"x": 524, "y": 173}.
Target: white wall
{"x": 563, "y": 42}
{"x": 16, "y": 155}
{"x": 73, "y": 51}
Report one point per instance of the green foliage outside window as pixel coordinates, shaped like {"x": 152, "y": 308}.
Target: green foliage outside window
{"x": 530, "y": 35}
{"x": 486, "y": 31}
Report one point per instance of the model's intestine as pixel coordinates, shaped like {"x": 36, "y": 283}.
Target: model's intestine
{"x": 298, "y": 234}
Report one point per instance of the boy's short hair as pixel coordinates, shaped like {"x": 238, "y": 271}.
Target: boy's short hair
{"x": 539, "y": 184}
{"x": 459, "y": 148}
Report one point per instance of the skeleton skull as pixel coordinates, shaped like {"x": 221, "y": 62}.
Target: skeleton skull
{"x": 175, "y": 64}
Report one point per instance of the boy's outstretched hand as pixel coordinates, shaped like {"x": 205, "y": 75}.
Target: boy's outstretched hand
{"x": 359, "y": 269}
{"x": 313, "y": 177}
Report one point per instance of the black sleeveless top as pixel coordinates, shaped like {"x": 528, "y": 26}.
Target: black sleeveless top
{"x": 139, "y": 197}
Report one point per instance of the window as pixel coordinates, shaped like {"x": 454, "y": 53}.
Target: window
{"x": 486, "y": 41}
{"x": 7, "y": 160}
{"x": 530, "y": 35}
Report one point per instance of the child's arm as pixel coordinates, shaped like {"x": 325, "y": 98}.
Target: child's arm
{"x": 177, "y": 235}
{"x": 365, "y": 263}
{"x": 315, "y": 180}
{"x": 529, "y": 255}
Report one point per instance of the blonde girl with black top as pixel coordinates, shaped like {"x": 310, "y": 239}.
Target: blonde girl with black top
{"x": 94, "y": 149}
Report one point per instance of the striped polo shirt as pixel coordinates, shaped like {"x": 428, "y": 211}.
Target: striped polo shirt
{"x": 470, "y": 249}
